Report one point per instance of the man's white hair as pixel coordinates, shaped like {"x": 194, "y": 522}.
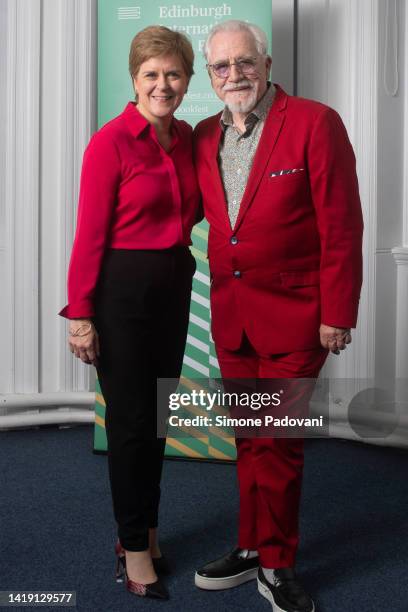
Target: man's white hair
{"x": 235, "y": 25}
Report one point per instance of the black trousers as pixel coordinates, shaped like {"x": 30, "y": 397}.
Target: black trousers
{"x": 142, "y": 306}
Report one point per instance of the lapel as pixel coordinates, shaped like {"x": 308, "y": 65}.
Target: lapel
{"x": 219, "y": 193}
{"x": 269, "y": 137}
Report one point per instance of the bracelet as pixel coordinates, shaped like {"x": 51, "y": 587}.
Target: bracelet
{"x": 76, "y": 332}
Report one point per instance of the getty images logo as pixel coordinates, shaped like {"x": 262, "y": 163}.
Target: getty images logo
{"x": 129, "y": 12}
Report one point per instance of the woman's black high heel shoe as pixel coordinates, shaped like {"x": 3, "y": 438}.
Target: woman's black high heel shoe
{"x": 160, "y": 564}
{"x": 155, "y": 590}
{"x": 120, "y": 563}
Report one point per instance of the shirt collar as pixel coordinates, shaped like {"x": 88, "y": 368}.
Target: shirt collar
{"x": 259, "y": 113}
{"x": 138, "y": 124}
{"x": 135, "y": 121}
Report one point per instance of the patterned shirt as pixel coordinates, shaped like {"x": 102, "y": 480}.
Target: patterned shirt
{"x": 237, "y": 151}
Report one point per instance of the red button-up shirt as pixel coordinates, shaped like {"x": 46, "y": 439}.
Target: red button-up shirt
{"x": 133, "y": 195}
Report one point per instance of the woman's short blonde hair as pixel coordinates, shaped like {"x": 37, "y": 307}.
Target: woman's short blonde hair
{"x": 154, "y": 41}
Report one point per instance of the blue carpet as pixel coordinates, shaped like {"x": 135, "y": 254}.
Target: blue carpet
{"x": 57, "y": 529}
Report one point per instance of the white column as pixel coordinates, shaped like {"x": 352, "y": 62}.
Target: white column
{"x": 283, "y": 44}
{"x": 400, "y": 253}
{"x": 20, "y": 347}
{"x": 49, "y": 115}
{"x": 69, "y": 111}
{"x": 338, "y": 65}
{"x": 3, "y": 122}
{"x": 405, "y": 192}
{"x": 401, "y": 260}
{"x": 363, "y": 20}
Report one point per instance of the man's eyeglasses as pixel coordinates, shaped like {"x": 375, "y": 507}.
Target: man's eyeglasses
{"x": 245, "y": 66}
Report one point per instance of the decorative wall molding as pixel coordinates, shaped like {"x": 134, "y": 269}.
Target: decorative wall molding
{"x": 50, "y": 115}
{"x": 401, "y": 256}
{"x": 77, "y": 90}
{"x": 405, "y": 128}
{"x": 34, "y": 409}
{"x": 401, "y": 259}
{"x": 391, "y": 59}
{"x": 3, "y": 119}
{"x": 283, "y": 44}
{"x": 338, "y": 65}
{"x": 20, "y": 329}
{"x": 363, "y": 19}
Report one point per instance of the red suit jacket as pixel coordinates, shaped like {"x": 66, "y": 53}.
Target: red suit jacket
{"x": 294, "y": 258}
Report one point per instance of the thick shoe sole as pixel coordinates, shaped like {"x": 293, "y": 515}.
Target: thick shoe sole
{"x": 265, "y": 592}
{"x": 218, "y": 584}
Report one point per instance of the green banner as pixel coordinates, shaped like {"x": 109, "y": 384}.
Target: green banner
{"x": 117, "y": 25}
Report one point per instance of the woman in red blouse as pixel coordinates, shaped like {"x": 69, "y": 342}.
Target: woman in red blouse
{"x": 129, "y": 283}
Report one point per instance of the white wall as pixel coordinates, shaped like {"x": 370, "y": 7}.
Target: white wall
{"x": 337, "y": 64}
{"x": 3, "y": 123}
{"x": 349, "y": 56}
{"x": 50, "y": 105}
{"x": 390, "y": 209}
{"x": 3, "y": 65}
{"x": 283, "y": 44}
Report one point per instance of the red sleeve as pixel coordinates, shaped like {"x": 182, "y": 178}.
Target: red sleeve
{"x": 334, "y": 185}
{"x": 97, "y": 198}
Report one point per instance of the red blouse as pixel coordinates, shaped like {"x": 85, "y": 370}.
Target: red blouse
{"x": 133, "y": 195}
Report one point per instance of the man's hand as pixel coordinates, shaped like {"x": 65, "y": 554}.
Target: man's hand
{"x": 334, "y": 338}
{"x": 83, "y": 340}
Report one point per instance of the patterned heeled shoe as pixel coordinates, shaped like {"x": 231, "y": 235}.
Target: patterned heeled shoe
{"x": 160, "y": 564}
{"x": 155, "y": 590}
{"x": 120, "y": 562}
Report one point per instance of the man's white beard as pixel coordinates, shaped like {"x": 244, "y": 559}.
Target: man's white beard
{"x": 243, "y": 106}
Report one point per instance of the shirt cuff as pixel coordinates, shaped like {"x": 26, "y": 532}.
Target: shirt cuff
{"x": 78, "y": 310}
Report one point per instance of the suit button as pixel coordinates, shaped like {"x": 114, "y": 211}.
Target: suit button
{"x": 234, "y": 240}
{"x": 237, "y": 274}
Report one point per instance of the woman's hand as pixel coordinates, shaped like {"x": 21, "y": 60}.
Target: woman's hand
{"x": 83, "y": 340}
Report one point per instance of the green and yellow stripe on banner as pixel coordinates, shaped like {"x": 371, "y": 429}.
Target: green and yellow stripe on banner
{"x": 198, "y": 443}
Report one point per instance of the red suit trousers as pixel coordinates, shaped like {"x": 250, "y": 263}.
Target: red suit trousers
{"x": 270, "y": 469}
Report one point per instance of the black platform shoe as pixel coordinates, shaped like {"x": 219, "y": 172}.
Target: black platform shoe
{"x": 285, "y": 594}
{"x": 229, "y": 571}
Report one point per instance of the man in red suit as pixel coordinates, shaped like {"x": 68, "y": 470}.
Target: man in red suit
{"x": 278, "y": 181}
